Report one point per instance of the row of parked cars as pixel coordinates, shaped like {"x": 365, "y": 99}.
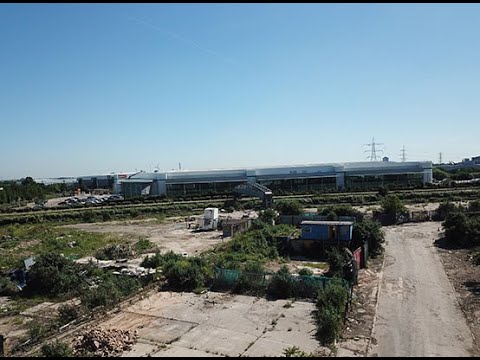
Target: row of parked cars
{"x": 90, "y": 200}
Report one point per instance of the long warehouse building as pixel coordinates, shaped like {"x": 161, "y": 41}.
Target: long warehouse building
{"x": 280, "y": 179}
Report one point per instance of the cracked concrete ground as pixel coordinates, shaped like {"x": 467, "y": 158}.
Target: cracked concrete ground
{"x": 186, "y": 324}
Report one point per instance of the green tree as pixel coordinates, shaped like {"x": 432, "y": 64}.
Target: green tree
{"x": 369, "y": 231}
{"x": 444, "y": 209}
{"x": 341, "y": 210}
{"x": 392, "y": 205}
{"x": 289, "y": 207}
{"x": 268, "y": 216}
{"x": 461, "y": 230}
{"x": 54, "y": 275}
{"x": 439, "y": 174}
{"x": 337, "y": 260}
{"x": 331, "y": 305}
{"x": 186, "y": 274}
{"x": 281, "y": 285}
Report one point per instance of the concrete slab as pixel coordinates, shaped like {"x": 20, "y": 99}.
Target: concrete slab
{"x": 140, "y": 349}
{"x": 234, "y": 321}
{"x": 352, "y": 347}
{"x": 179, "y": 351}
{"x": 216, "y": 324}
{"x": 45, "y": 309}
{"x": 266, "y": 347}
{"x": 165, "y": 330}
{"x": 216, "y": 340}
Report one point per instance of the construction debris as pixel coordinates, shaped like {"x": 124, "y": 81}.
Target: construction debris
{"x": 105, "y": 343}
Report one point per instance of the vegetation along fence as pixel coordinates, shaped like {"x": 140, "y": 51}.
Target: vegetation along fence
{"x": 228, "y": 278}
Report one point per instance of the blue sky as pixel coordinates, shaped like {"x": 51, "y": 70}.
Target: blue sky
{"x": 96, "y": 88}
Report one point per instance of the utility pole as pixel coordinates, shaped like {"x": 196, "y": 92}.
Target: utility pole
{"x": 403, "y": 153}
{"x": 373, "y": 150}
{"x": 440, "y": 158}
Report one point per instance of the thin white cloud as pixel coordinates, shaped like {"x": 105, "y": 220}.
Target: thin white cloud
{"x": 183, "y": 39}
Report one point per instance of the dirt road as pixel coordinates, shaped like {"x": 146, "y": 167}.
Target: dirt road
{"x": 417, "y": 313}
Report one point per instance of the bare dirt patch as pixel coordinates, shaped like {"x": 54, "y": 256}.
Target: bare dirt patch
{"x": 173, "y": 234}
{"x": 361, "y": 314}
{"x": 465, "y": 278}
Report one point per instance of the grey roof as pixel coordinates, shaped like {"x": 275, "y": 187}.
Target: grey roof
{"x": 310, "y": 222}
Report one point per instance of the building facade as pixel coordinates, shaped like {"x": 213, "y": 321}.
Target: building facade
{"x": 281, "y": 179}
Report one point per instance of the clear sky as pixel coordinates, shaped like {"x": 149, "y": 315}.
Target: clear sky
{"x": 96, "y": 88}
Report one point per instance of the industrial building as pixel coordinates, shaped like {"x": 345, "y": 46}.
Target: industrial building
{"x": 280, "y": 179}
{"x": 109, "y": 182}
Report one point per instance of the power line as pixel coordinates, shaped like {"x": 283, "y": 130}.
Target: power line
{"x": 373, "y": 150}
{"x": 403, "y": 153}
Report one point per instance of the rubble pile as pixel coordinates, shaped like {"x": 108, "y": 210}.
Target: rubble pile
{"x": 105, "y": 343}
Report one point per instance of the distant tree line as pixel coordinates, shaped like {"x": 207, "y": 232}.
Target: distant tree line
{"x": 28, "y": 190}
{"x": 456, "y": 174}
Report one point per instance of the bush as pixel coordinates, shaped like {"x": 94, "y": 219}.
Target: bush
{"x": 474, "y": 206}
{"x": 114, "y": 252}
{"x": 111, "y": 289}
{"x": 294, "y": 351}
{"x": 126, "y": 285}
{"x": 103, "y": 295}
{"x": 251, "y": 280}
{"x": 461, "y": 230}
{"x": 383, "y": 191}
{"x": 289, "y": 207}
{"x": 305, "y": 272}
{"x": 68, "y": 313}
{"x": 159, "y": 260}
{"x": 476, "y": 258}
{"x": 186, "y": 274}
{"x": 282, "y": 285}
{"x": 444, "y": 209}
{"x": 268, "y": 216}
{"x": 392, "y": 206}
{"x": 36, "y": 330}
{"x": 341, "y": 210}
{"x": 337, "y": 260}
{"x": 57, "y": 349}
{"x": 329, "y": 325}
{"x": 335, "y": 294}
{"x": 143, "y": 245}
{"x": 54, "y": 275}
{"x": 371, "y": 232}
{"x": 331, "y": 216}
{"x": 7, "y": 287}
{"x": 331, "y": 305}
{"x": 152, "y": 262}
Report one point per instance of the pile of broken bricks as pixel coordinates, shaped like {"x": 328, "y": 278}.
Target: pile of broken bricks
{"x": 105, "y": 343}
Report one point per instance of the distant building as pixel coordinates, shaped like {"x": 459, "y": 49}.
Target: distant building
{"x": 61, "y": 180}
{"x": 280, "y": 179}
{"x": 465, "y": 163}
{"x": 108, "y": 181}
